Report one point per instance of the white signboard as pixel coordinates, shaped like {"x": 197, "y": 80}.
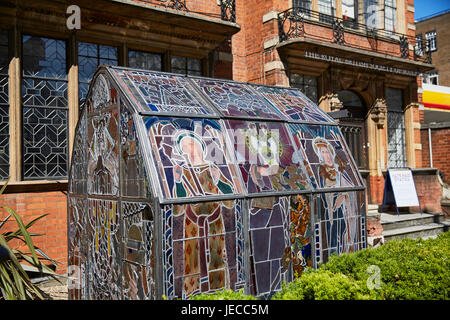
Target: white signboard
{"x": 403, "y": 187}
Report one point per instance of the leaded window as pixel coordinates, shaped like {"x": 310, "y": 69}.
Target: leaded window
{"x": 431, "y": 39}
{"x": 144, "y": 60}
{"x": 4, "y": 106}
{"x": 327, "y": 10}
{"x": 302, "y": 7}
{"x": 184, "y": 65}
{"x": 390, "y": 15}
{"x": 396, "y": 128}
{"x": 306, "y": 84}
{"x": 90, "y": 56}
{"x": 44, "y": 99}
{"x": 419, "y": 45}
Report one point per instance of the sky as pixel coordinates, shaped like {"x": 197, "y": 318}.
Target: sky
{"x": 428, "y": 7}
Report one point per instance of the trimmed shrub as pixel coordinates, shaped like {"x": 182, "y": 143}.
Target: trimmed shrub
{"x": 225, "y": 294}
{"x": 324, "y": 285}
{"x": 408, "y": 269}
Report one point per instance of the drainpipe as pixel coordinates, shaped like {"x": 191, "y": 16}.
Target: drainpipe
{"x": 430, "y": 147}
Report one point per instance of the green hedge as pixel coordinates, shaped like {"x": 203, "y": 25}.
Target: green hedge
{"x": 408, "y": 269}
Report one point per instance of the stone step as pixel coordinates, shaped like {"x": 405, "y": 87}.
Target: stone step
{"x": 414, "y": 232}
{"x": 394, "y": 221}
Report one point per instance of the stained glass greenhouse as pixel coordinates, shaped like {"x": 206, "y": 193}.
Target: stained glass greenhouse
{"x": 183, "y": 185}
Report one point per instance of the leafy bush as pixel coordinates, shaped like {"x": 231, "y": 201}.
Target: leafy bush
{"x": 408, "y": 269}
{"x": 324, "y": 285}
{"x": 225, "y": 294}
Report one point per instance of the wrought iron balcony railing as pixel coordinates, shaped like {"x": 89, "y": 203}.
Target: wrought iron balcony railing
{"x": 291, "y": 24}
{"x": 227, "y": 8}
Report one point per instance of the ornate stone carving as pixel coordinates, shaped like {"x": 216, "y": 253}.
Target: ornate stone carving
{"x": 335, "y": 103}
{"x": 378, "y": 112}
{"x": 330, "y": 102}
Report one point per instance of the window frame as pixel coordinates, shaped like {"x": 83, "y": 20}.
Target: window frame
{"x": 65, "y": 79}
{"x": 432, "y": 36}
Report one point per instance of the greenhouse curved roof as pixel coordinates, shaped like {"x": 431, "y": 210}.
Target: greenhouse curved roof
{"x": 210, "y": 139}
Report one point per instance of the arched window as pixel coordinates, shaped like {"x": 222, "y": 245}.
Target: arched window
{"x": 353, "y": 103}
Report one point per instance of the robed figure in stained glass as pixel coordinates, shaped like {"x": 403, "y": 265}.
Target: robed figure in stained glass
{"x": 331, "y": 174}
{"x": 205, "y": 258}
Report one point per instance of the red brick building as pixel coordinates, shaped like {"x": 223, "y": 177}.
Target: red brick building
{"x": 356, "y": 59}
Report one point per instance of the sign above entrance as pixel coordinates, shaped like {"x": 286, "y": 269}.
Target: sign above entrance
{"x": 359, "y": 63}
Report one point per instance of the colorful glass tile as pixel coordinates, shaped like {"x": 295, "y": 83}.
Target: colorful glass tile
{"x": 339, "y": 215}
{"x": 191, "y": 158}
{"x": 236, "y": 99}
{"x": 206, "y": 253}
{"x": 266, "y": 157}
{"x": 329, "y": 163}
{"x": 292, "y": 104}
{"x": 161, "y": 93}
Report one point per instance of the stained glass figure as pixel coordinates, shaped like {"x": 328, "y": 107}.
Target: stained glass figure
{"x": 266, "y": 157}
{"x": 183, "y": 185}
{"x": 206, "y": 248}
{"x": 191, "y": 157}
{"x": 328, "y": 160}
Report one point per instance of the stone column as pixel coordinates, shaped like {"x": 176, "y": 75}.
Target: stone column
{"x": 412, "y": 126}
{"x": 72, "y": 92}
{"x": 376, "y": 125}
{"x": 15, "y": 109}
{"x": 376, "y": 121}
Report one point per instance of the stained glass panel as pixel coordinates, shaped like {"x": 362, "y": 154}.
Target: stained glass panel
{"x": 339, "y": 224}
{"x": 133, "y": 183}
{"x": 236, "y": 99}
{"x": 266, "y": 158}
{"x": 77, "y": 247}
{"x": 78, "y": 170}
{"x": 280, "y": 246}
{"x": 328, "y": 161}
{"x": 191, "y": 158}
{"x": 103, "y": 247}
{"x": 138, "y": 255}
{"x": 203, "y": 248}
{"x": 44, "y": 98}
{"x": 293, "y": 105}
{"x": 102, "y": 140}
{"x": 161, "y": 93}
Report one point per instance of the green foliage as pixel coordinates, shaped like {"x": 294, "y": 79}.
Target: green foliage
{"x": 15, "y": 283}
{"x": 324, "y": 285}
{"x": 225, "y": 294}
{"x": 408, "y": 269}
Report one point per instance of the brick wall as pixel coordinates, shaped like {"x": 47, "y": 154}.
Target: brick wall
{"x": 440, "y": 143}
{"x": 53, "y": 227}
{"x": 429, "y": 192}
